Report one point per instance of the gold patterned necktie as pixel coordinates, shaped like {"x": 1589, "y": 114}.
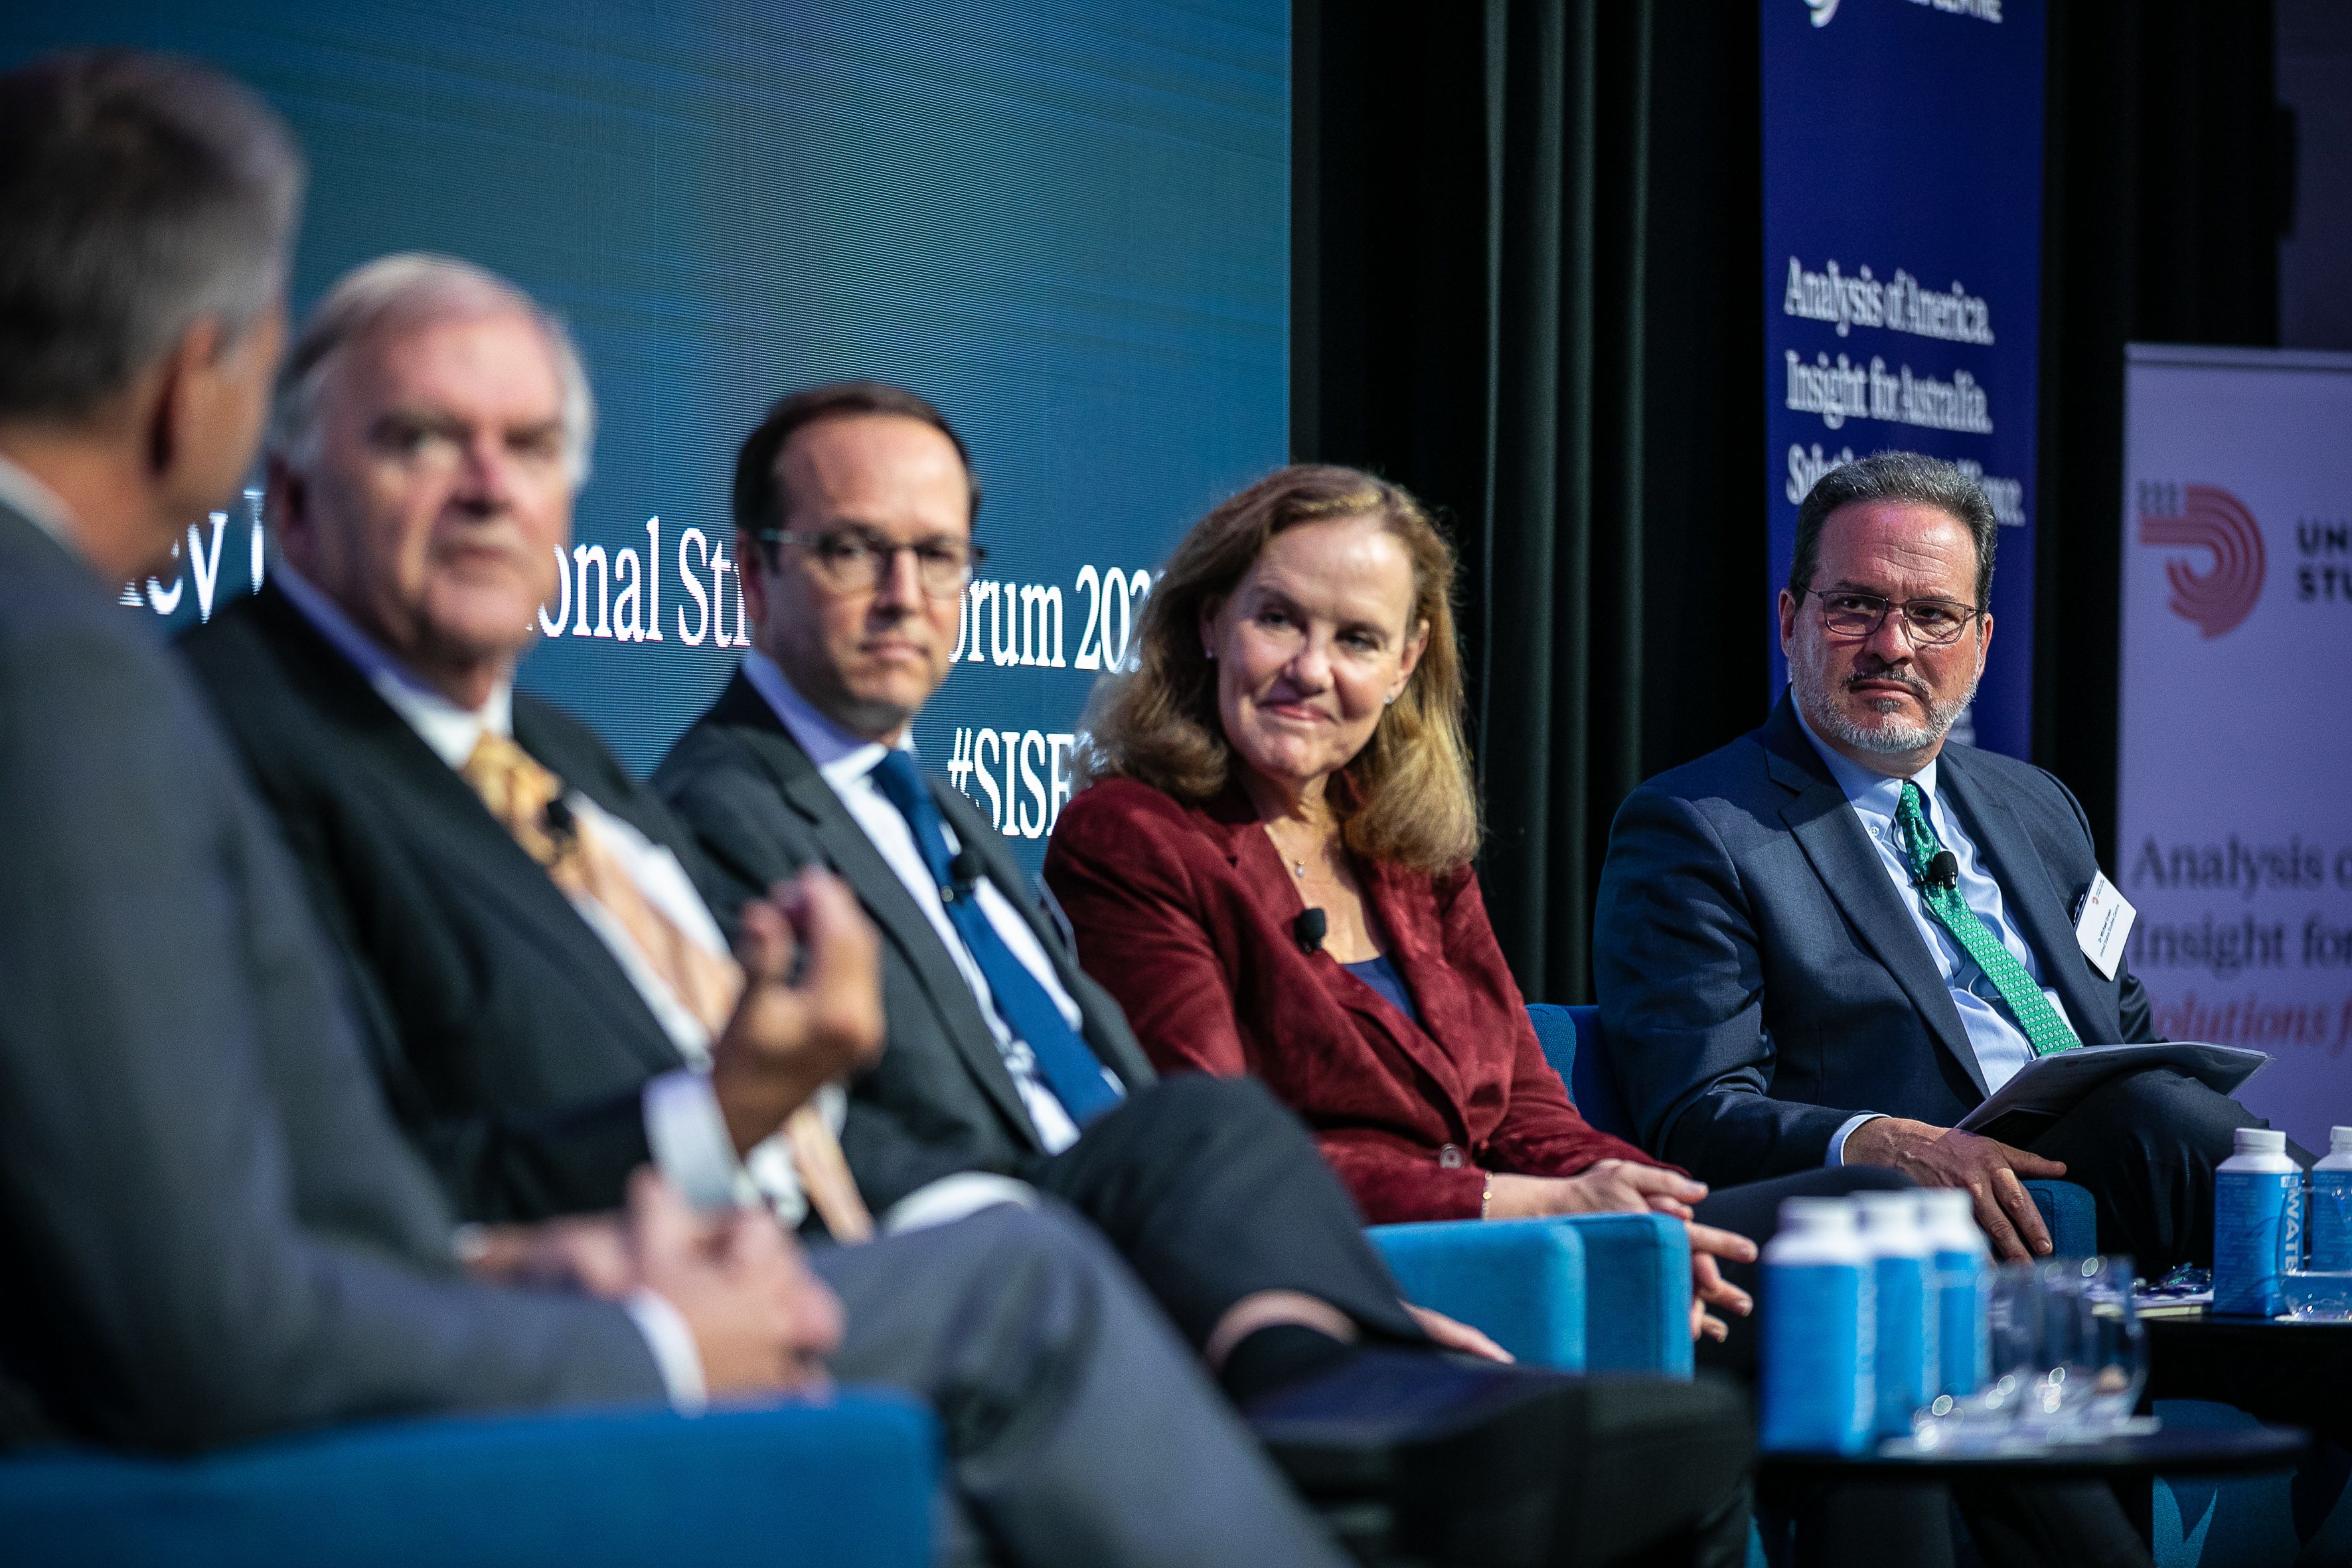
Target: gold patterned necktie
{"x": 520, "y": 790}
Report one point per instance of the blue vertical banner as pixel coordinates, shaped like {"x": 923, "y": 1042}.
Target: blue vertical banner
{"x": 1901, "y": 273}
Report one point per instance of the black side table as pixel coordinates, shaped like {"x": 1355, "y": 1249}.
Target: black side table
{"x": 2286, "y": 1370}
{"x": 2173, "y": 1452}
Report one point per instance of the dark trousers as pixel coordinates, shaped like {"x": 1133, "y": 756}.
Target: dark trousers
{"x": 2146, "y": 1144}
{"x": 2077, "y": 1524}
{"x": 1034, "y": 1346}
{"x": 1656, "y": 1472}
{"x": 1211, "y": 1191}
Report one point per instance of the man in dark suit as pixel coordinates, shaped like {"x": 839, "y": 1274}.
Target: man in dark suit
{"x": 548, "y": 1001}
{"x": 208, "y": 1228}
{"x": 1829, "y": 941}
{"x": 853, "y": 507}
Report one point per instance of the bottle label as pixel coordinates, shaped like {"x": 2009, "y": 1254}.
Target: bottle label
{"x": 2257, "y": 1236}
{"x": 1816, "y": 1365}
{"x": 1963, "y": 1335}
{"x": 2331, "y": 1221}
{"x": 1905, "y": 1359}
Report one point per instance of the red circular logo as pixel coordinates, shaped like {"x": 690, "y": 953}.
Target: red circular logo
{"x": 2210, "y": 518}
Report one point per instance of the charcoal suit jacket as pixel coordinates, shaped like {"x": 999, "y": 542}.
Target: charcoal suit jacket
{"x": 209, "y": 1227}
{"x": 1761, "y": 978}
{"x": 761, "y": 811}
{"x": 510, "y": 1041}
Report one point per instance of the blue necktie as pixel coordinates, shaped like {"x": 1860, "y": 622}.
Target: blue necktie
{"x": 1070, "y": 1067}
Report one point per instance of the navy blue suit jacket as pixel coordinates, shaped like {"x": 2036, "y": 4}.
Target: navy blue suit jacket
{"x": 1761, "y": 979}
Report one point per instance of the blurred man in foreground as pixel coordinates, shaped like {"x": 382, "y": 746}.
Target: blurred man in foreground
{"x": 549, "y": 1004}
{"x": 211, "y": 1230}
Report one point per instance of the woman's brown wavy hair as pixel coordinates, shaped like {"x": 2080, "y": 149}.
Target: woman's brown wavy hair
{"x": 1410, "y": 799}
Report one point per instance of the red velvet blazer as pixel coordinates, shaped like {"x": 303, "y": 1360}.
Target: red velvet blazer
{"x": 1184, "y": 913}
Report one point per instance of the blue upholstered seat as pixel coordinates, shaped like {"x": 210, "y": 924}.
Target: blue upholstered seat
{"x": 847, "y": 1485}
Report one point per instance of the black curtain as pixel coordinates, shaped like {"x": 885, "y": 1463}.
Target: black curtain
{"x": 2169, "y": 179}
{"x": 1525, "y": 238}
{"x": 1524, "y": 244}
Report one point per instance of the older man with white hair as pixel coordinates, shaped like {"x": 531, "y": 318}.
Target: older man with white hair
{"x": 550, "y": 1005}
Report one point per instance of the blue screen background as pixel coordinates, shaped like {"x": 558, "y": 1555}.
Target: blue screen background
{"x": 1066, "y": 224}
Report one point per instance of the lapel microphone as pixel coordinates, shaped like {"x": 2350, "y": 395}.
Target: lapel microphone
{"x": 1307, "y": 930}
{"x": 964, "y": 872}
{"x": 1943, "y": 871}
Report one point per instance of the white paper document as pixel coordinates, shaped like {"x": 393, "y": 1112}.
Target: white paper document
{"x": 2049, "y": 1087}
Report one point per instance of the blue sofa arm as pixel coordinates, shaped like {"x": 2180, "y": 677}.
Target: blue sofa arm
{"x": 2071, "y": 1217}
{"x": 1637, "y": 1292}
{"x": 1583, "y": 1292}
{"x": 1519, "y": 1281}
{"x": 846, "y": 1483}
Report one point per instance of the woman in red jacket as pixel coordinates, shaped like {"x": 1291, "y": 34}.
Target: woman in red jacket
{"x": 1290, "y": 741}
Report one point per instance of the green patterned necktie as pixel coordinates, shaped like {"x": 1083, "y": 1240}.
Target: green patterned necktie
{"x": 2045, "y": 1029}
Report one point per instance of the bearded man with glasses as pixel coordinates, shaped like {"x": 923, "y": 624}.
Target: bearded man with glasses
{"x": 1828, "y": 941}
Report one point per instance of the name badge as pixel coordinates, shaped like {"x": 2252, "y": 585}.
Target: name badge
{"x": 2105, "y": 920}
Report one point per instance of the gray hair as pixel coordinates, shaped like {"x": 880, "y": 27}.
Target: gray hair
{"x": 414, "y": 287}
{"x": 1903, "y": 476}
{"x": 141, "y": 193}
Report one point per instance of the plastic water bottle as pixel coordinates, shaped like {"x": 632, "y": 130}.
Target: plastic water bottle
{"x": 1963, "y": 1291}
{"x": 1904, "y": 1365}
{"x": 2331, "y": 1205}
{"x": 2257, "y": 1225}
{"x": 1819, "y": 1392}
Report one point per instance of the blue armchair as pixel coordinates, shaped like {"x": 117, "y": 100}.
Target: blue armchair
{"x": 848, "y": 1483}
{"x": 1583, "y": 1293}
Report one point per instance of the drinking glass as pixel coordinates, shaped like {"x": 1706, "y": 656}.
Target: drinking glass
{"x": 2113, "y": 1345}
{"x": 2061, "y": 1354}
{"x": 1990, "y": 1417}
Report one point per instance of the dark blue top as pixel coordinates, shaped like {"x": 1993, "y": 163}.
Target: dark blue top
{"x": 1382, "y": 976}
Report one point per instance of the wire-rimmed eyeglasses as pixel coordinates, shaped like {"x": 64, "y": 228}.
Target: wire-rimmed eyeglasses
{"x": 1929, "y": 623}
{"x": 853, "y": 560}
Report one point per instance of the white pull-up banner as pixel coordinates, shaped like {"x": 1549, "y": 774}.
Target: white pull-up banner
{"x": 2234, "y": 812}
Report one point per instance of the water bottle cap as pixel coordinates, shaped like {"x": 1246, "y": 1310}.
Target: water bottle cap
{"x": 1888, "y": 1210}
{"x": 1816, "y": 1213}
{"x": 2339, "y": 1140}
{"x": 2260, "y": 1141}
{"x": 1944, "y": 1205}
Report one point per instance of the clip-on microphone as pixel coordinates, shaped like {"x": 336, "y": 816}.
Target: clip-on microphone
{"x": 964, "y": 872}
{"x": 1307, "y": 930}
{"x": 1943, "y": 871}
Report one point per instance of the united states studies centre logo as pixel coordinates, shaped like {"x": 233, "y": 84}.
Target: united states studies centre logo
{"x": 2216, "y": 567}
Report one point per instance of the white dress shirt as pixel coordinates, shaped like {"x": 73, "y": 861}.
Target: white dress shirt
{"x": 846, "y": 763}
{"x": 39, "y": 504}
{"x": 2000, "y": 1046}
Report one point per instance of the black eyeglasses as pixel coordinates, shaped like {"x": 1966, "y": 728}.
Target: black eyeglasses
{"x": 1929, "y": 623}
{"x": 853, "y": 560}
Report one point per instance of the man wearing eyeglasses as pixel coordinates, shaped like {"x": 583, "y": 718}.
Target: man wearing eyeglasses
{"x": 853, "y": 506}
{"x": 550, "y": 1006}
{"x": 1827, "y": 941}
